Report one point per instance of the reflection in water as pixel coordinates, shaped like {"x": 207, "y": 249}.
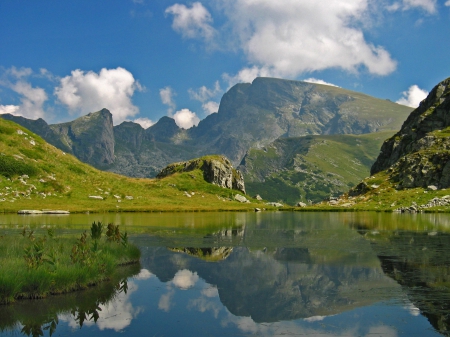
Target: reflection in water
{"x": 266, "y": 274}
{"x": 420, "y": 263}
{"x": 33, "y": 318}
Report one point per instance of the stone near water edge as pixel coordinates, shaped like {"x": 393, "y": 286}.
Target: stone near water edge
{"x": 301, "y": 204}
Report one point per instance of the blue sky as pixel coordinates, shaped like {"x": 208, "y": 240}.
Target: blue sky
{"x": 144, "y": 59}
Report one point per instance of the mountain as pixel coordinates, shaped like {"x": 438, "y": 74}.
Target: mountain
{"x": 412, "y": 171}
{"x": 251, "y": 115}
{"x": 419, "y": 154}
{"x": 310, "y": 167}
{"x": 90, "y": 138}
{"x": 254, "y": 115}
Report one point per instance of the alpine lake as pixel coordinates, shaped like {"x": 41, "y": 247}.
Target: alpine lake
{"x": 254, "y": 274}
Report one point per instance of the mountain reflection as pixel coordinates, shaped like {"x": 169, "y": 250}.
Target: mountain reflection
{"x": 420, "y": 263}
{"x": 269, "y": 283}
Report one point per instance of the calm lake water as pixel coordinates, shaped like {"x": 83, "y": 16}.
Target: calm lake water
{"x": 256, "y": 274}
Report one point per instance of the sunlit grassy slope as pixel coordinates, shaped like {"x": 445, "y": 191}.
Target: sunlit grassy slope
{"x": 311, "y": 167}
{"x": 57, "y": 180}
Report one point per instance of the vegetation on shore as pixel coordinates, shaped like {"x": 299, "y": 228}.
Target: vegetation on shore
{"x": 36, "y": 264}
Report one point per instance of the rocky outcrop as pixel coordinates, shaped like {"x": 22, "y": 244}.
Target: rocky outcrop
{"x": 91, "y": 137}
{"x": 217, "y": 170}
{"x": 419, "y": 154}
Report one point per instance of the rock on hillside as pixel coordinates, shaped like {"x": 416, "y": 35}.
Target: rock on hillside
{"x": 217, "y": 170}
{"x": 419, "y": 154}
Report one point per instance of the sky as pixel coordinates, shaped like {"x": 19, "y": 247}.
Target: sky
{"x": 145, "y": 59}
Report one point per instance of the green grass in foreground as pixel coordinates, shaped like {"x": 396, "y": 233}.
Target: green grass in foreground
{"x": 34, "y": 265}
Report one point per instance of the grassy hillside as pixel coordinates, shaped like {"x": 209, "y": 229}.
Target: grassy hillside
{"x": 311, "y": 167}
{"x": 36, "y": 175}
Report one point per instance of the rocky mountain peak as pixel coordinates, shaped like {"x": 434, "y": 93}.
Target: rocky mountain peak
{"x": 419, "y": 154}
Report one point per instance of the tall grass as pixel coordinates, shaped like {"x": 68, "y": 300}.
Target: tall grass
{"x": 36, "y": 265}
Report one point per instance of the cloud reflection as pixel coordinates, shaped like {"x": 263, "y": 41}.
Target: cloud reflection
{"x": 115, "y": 315}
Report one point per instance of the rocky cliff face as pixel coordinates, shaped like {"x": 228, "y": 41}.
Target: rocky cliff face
{"x": 91, "y": 137}
{"x": 419, "y": 154}
{"x": 217, "y": 170}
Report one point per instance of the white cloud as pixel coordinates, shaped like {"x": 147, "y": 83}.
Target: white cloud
{"x": 19, "y": 72}
{"x": 114, "y": 315}
{"x": 427, "y": 5}
{"x": 9, "y": 109}
{"x": 193, "y": 22}
{"x": 203, "y": 94}
{"x": 166, "y": 95}
{"x": 210, "y": 107}
{"x": 447, "y": 3}
{"x": 413, "y": 96}
{"x": 185, "y": 279}
{"x": 113, "y": 89}
{"x": 144, "y": 274}
{"x": 144, "y": 122}
{"x": 304, "y": 36}
{"x": 247, "y": 75}
{"x": 165, "y": 301}
{"x": 32, "y": 100}
{"x": 186, "y": 119}
{"x": 317, "y": 81}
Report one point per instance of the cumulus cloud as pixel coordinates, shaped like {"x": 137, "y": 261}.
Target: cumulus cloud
{"x": 204, "y": 94}
{"x": 185, "y": 279}
{"x": 248, "y": 74}
{"x": 447, "y": 3}
{"x": 317, "y": 81}
{"x": 186, "y": 119}
{"x": 304, "y": 36}
{"x": 115, "y": 315}
{"x": 210, "y": 107}
{"x": 113, "y": 89}
{"x": 167, "y": 95}
{"x": 413, "y": 96}
{"x": 32, "y": 99}
{"x": 144, "y": 122}
{"x": 192, "y": 22}
{"x": 426, "y": 5}
{"x": 144, "y": 274}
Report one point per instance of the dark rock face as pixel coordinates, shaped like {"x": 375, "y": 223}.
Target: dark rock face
{"x": 217, "y": 170}
{"x": 91, "y": 137}
{"x": 419, "y": 154}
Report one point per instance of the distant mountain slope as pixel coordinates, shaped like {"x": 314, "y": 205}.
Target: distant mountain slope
{"x": 310, "y": 167}
{"x": 250, "y": 116}
{"x": 412, "y": 171}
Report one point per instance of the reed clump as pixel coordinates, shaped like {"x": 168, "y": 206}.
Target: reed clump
{"x": 34, "y": 265}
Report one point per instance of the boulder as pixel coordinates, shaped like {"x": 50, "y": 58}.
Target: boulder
{"x": 217, "y": 170}
{"x": 241, "y": 198}
{"x": 301, "y": 204}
